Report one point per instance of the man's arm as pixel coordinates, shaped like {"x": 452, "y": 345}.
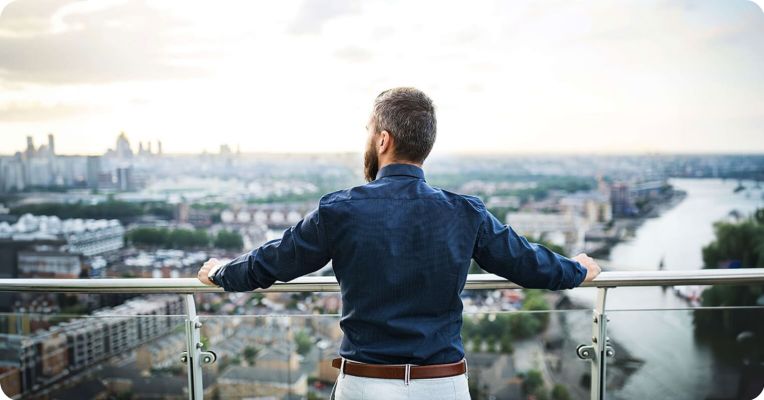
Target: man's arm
{"x": 501, "y": 251}
{"x": 301, "y": 250}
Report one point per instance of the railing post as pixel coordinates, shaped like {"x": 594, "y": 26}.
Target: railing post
{"x": 193, "y": 355}
{"x": 599, "y": 351}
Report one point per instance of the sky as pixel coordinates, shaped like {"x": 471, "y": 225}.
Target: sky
{"x": 300, "y": 76}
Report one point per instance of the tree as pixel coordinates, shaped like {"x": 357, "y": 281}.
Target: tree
{"x": 533, "y": 380}
{"x": 737, "y": 245}
{"x": 229, "y": 240}
{"x": 162, "y": 237}
{"x": 505, "y": 343}
{"x": 249, "y": 354}
{"x": 491, "y": 344}
{"x": 148, "y": 236}
{"x": 560, "y": 392}
{"x": 304, "y": 342}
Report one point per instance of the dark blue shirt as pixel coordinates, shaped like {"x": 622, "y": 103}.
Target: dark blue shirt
{"x": 400, "y": 249}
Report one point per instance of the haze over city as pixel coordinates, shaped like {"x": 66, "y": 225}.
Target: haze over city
{"x": 631, "y": 77}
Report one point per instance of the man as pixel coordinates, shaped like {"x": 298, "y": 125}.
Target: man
{"x": 400, "y": 250}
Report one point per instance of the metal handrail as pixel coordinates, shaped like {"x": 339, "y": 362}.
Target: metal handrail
{"x": 608, "y": 279}
{"x": 194, "y": 356}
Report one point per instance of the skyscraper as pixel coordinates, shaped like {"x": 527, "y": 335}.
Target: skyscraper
{"x": 51, "y": 145}
{"x": 123, "y": 149}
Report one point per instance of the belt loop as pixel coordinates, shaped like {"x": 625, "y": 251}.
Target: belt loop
{"x": 342, "y": 367}
{"x": 466, "y": 369}
{"x": 407, "y": 375}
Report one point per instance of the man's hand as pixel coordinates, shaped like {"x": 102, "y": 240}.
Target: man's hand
{"x": 207, "y": 269}
{"x": 592, "y": 269}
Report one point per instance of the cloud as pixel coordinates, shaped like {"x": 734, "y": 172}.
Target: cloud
{"x": 122, "y": 42}
{"x": 35, "y": 111}
{"x": 30, "y": 16}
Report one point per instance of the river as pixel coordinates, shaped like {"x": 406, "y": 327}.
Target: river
{"x": 676, "y": 366}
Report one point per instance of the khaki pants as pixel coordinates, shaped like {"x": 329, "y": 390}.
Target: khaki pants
{"x": 349, "y": 387}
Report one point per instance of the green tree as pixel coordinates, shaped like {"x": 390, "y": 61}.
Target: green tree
{"x": 736, "y": 244}
{"x": 249, "y": 354}
{"x": 505, "y": 343}
{"x": 491, "y": 344}
{"x": 162, "y": 237}
{"x": 229, "y": 240}
{"x": 533, "y": 381}
{"x": 304, "y": 342}
{"x": 148, "y": 236}
{"x": 187, "y": 238}
{"x": 560, "y": 392}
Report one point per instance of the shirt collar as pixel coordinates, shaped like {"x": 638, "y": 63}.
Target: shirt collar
{"x": 400, "y": 169}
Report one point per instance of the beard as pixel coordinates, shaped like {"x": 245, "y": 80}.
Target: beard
{"x": 370, "y": 163}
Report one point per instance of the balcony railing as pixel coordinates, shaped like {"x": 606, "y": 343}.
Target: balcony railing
{"x": 195, "y": 356}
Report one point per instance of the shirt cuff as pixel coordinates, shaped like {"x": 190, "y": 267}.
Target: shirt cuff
{"x": 211, "y": 274}
{"x": 582, "y": 274}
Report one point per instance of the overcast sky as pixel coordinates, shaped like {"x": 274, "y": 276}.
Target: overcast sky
{"x": 293, "y": 76}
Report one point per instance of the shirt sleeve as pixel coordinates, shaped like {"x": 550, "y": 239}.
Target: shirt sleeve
{"x": 501, "y": 251}
{"x": 301, "y": 250}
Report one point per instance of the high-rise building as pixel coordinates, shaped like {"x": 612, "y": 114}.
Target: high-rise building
{"x": 125, "y": 179}
{"x": 123, "y": 149}
{"x": 12, "y": 174}
{"x": 622, "y": 199}
{"x": 93, "y": 171}
{"x": 51, "y": 144}
{"x": 30, "y": 147}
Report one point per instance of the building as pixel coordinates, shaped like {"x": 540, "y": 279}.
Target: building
{"x": 49, "y": 264}
{"x": 93, "y": 237}
{"x": 623, "y": 200}
{"x": 93, "y": 172}
{"x": 80, "y": 343}
{"x": 125, "y": 179}
{"x": 123, "y": 149}
{"x": 12, "y": 176}
{"x": 594, "y": 207}
{"x": 161, "y": 353}
{"x": 238, "y": 382}
{"x": 566, "y": 230}
{"x": 188, "y": 214}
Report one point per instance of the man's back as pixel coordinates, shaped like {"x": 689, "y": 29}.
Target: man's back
{"x": 400, "y": 250}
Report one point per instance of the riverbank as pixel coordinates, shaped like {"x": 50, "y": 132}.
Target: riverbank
{"x": 622, "y": 229}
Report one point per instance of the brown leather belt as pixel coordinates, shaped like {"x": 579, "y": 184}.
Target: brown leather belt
{"x": 398, "y": 371}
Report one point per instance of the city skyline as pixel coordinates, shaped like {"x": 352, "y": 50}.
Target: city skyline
{"x": 144, "y": 147}
{"x": 291, "y": 77}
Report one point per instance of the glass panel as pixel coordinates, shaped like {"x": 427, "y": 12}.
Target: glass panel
{"x": 128, "y": 351}
{"x": 271, "y": 356}
{"x": 510, "y": 352}
{"x": 687, "y": 354}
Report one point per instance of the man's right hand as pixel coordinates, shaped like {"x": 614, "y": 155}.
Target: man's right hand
{"x": 592, "y": 269}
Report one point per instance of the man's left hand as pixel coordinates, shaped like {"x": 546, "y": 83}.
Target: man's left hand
{"x": 207, "y": 269}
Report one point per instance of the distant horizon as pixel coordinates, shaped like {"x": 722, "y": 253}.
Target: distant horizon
{"x": 434, "y": 154}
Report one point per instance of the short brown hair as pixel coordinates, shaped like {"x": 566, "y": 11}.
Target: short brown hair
{"x": 409, "y": 116}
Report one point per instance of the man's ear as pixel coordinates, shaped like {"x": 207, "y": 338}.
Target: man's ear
{"x": 384, "y": 142}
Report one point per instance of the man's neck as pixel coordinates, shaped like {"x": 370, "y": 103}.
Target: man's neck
{"x": 385, "y": 163}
